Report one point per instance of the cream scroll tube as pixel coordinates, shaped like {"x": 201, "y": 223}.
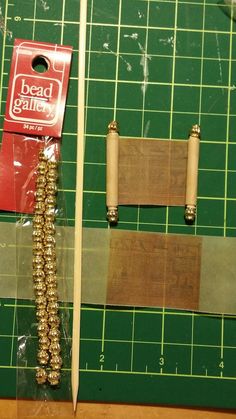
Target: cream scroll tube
{"x": 192, "y": 174}
{"x": 112, "y": 153}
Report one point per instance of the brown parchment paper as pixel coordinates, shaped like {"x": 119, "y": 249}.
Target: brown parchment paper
{"x": 152, "y": 172}
{"x": 149, "y": 269}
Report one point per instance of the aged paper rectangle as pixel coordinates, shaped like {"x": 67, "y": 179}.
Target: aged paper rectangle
{"x": 152, "y": 172}
{"x": 149, "y": 269}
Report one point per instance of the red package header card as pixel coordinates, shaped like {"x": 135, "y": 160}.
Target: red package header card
{"x": 37, "y": 88}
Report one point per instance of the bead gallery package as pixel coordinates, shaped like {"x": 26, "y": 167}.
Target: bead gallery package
{"x": 30, "y": 179}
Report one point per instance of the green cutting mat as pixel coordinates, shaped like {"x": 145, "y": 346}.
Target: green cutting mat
{"x": 157, "y": 67}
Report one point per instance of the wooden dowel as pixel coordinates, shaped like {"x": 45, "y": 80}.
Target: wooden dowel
{"x": 112, "y": 156}
{"x": 78, "y": 207}
{"x": 192, "y": 174}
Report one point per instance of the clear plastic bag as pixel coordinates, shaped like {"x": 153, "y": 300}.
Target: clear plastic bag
{"x": 29, "y": 327}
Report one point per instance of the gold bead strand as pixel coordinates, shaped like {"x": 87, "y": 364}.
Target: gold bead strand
{"x": 50, "y": 272}
{"x": 38, "y": 263}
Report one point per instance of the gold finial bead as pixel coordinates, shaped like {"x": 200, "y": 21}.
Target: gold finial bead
{"x": 41, "y": 375}
{"x": 190, "y": 214}
{"x": 195, "y": 131}
{"x": 113, "y": 127}
{"x": 112, "y": 215}
{"x": 54, "y": 378}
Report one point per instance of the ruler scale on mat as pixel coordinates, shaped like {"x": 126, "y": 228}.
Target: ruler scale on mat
{"x": 160, "y": 67}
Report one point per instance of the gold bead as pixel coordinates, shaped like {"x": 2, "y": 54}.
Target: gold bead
{"x": 55, "y": 348}
{"x": 38, "y": 234}
{"x": 42, "y": 167}
{"x": 49, "y": 228}
{"x": 50, "y": 251}
{"x": 51, "y": 279}
{"x": 41, "y": 302}
{"x": 52, "y": 307}
{"x": 52, "y": 176}
{"x": 43, "y": 320}
{"x": 56, "y": 362}
{"x": 44, "y": 342}
{"x": 38, "y": 259}
{"x": 38, "y": 253}
{"x": 39, "y": 198}
{"x": 38, "y": 246}
{"x": 54, "y": 321}
{"x": 40, "y": 288}
{"x": 41, "y": 313}
{"x": 49, "y": 240}
{"x": 50, "y": 267}
{"x": 52, "y": 165}
{"x": 43, "y": 329}
{"x": 41, "y": 181}
{"x": 37, "y": 239}
{"x": 51, "y": 188}
{"x": 41, "y": 375}
{"x": 38, "y": 273}
{"x": 50, "y": 259}
{"x": 54, "y": 378}
{"x": 50, "y": 214}
{"x": 39, "y": 208}
{"x": 50, "y": 200}
{"x": 51, "y": 247}
{"x": 54, "y": 334}
{"x": 43, "y": 357}
{"x": 42, "y": 156}
{"x": 52, "y": 295}
{"x": 38, "y": 219}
